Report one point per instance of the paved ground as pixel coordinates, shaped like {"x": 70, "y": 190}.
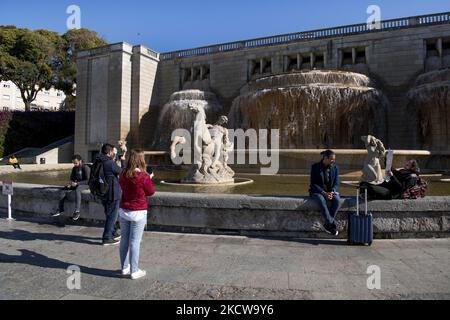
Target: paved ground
{"x": 34, "y": 256}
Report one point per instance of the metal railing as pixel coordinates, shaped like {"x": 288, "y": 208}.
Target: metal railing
{"x": 399, "y": 23}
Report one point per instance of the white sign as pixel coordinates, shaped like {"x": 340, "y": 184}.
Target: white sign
{"x": 7, "y": 188}
{"x": 389, "y": 161}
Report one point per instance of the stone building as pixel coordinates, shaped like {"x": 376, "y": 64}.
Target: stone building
{"x": 122, "y": 88}
{"x": 10, "y": 99}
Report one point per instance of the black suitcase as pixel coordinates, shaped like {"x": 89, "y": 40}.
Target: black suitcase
{"x": 360, "y": 227}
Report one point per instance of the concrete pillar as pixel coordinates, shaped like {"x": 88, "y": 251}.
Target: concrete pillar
{"x": 439, "y": 46}
{"x": 312, "y": 58}
{"x": 353, "y": 55}
{"x": 103, "y": 97}
{"x": 145, "y": 64}
{"x": 261, "y": 65}
{"x": 299, "y": 61}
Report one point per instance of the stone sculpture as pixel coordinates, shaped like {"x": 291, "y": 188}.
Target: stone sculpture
{"x": 211, "y": 148}
{"x": 372, "y": 172}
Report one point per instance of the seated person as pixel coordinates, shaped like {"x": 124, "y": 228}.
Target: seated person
{"x": 324, "y": 189}
{"x": 79, "y": 178}
{"x": 14, "y": 162}
{"x": 401, "y": 184}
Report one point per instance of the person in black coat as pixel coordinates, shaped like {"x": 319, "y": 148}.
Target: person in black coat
{"x": 111, "y": 200}
{"x": 79, "y": 178}
{"x": 324, "y": 189}
{"x": 397, "y": 183}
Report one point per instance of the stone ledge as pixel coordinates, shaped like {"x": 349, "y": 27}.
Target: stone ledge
{"x": 244, "y": 214}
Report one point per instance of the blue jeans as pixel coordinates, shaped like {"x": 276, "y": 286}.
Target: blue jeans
{"x": 111, "y": 212}
{"x": 329, "y": 209}
{"x": 130, "y": 243}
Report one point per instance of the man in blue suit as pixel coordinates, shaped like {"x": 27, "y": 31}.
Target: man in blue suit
{"x": 324, "y": 189}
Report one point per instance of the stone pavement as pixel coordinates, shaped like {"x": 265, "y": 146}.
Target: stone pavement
{"x": 35, "y": 254}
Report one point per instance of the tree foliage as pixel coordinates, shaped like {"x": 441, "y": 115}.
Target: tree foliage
{"x": 41, "y": 59}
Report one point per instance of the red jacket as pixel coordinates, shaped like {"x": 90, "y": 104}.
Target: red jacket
{"x": 135, "y": 191}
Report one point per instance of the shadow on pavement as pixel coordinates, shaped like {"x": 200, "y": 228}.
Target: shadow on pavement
{"x": 35, "y": 259}
{"x": 24, "y": 235}
{"x": 314, "y": 242}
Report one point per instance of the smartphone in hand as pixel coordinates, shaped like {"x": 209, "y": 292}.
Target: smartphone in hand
{"x": 149, "y": 169}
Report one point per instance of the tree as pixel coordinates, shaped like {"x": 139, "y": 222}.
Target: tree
{"x": 41, "y": 59}
{"x": 26, "y": 59}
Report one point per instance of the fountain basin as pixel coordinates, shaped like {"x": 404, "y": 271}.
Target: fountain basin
{"x": 235, "y": 183}
{"x": 249, "y": 215}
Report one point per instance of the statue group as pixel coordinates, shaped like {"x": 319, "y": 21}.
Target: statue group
{"x": 211, "y": 147}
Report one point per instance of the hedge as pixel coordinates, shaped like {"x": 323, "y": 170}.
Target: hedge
{"x": 36, "y": 129}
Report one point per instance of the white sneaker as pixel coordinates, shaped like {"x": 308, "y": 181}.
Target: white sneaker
{"x": 126, "y": 272}
{"x": 138, "y": 274}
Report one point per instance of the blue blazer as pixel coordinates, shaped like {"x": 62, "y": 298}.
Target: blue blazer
{"x": 317, "y": 184}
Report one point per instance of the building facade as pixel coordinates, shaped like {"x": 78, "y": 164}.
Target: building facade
{"x": 122, "y": 88}
{"x": 11, "y": 100}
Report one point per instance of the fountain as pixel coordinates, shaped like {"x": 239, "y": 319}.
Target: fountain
{"x": 314, "y": 109}
{"x": 176, "y": 114}
{"x": 428, "y": 102}
{"x": 188, "y": 110}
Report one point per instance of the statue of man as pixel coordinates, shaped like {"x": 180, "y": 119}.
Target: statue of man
{"x": 372, "y": 172}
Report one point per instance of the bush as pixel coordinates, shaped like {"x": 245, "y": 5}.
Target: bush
{"x": 20, "y": 130}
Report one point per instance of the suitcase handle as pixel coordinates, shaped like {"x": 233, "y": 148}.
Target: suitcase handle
{"x": 365, "y": 201}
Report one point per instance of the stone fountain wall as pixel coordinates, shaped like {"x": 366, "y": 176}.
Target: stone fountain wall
{"x": 314, "y": 109}
{"x": 176, "y": 114}
{"x": 122, "y": 89}
{"x": 249, "y": 215}
{"x": 429, "y": 101}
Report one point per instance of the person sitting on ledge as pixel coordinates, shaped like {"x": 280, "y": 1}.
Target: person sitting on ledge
{"x": 14, "y": 162}
{"x": 79, "y": 178}
{"x": 400, "y": 184}
{"x": 324, "y": 189}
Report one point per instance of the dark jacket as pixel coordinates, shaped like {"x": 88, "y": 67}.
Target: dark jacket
{"x": 112, "y": 171}
{"x": 401, "y": 181}
{"x": 81, "y": 174}
{"x": 317, "y": 184}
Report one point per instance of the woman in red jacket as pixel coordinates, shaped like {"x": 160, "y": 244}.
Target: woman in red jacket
{"x": 136, "y": 186}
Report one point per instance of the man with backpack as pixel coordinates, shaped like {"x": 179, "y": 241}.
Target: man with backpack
{"x": 104, "y": 184}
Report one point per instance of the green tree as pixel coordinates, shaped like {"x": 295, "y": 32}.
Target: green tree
{"x": 40, "y": 59}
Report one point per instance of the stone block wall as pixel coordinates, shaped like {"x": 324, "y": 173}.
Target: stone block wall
{"x": 121, "y": 88}
{"x": 249, "y": 215}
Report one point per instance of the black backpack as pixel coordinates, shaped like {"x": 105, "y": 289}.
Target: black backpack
{"x": 97, "y": 180}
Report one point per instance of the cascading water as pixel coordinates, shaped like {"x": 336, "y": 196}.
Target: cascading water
{"x": 315, "y": 109}
{"x": 429, "y": 103}
{"x": 176, "y": 114}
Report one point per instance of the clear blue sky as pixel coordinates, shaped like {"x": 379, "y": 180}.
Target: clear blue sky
{"x": 175, "y": 24}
